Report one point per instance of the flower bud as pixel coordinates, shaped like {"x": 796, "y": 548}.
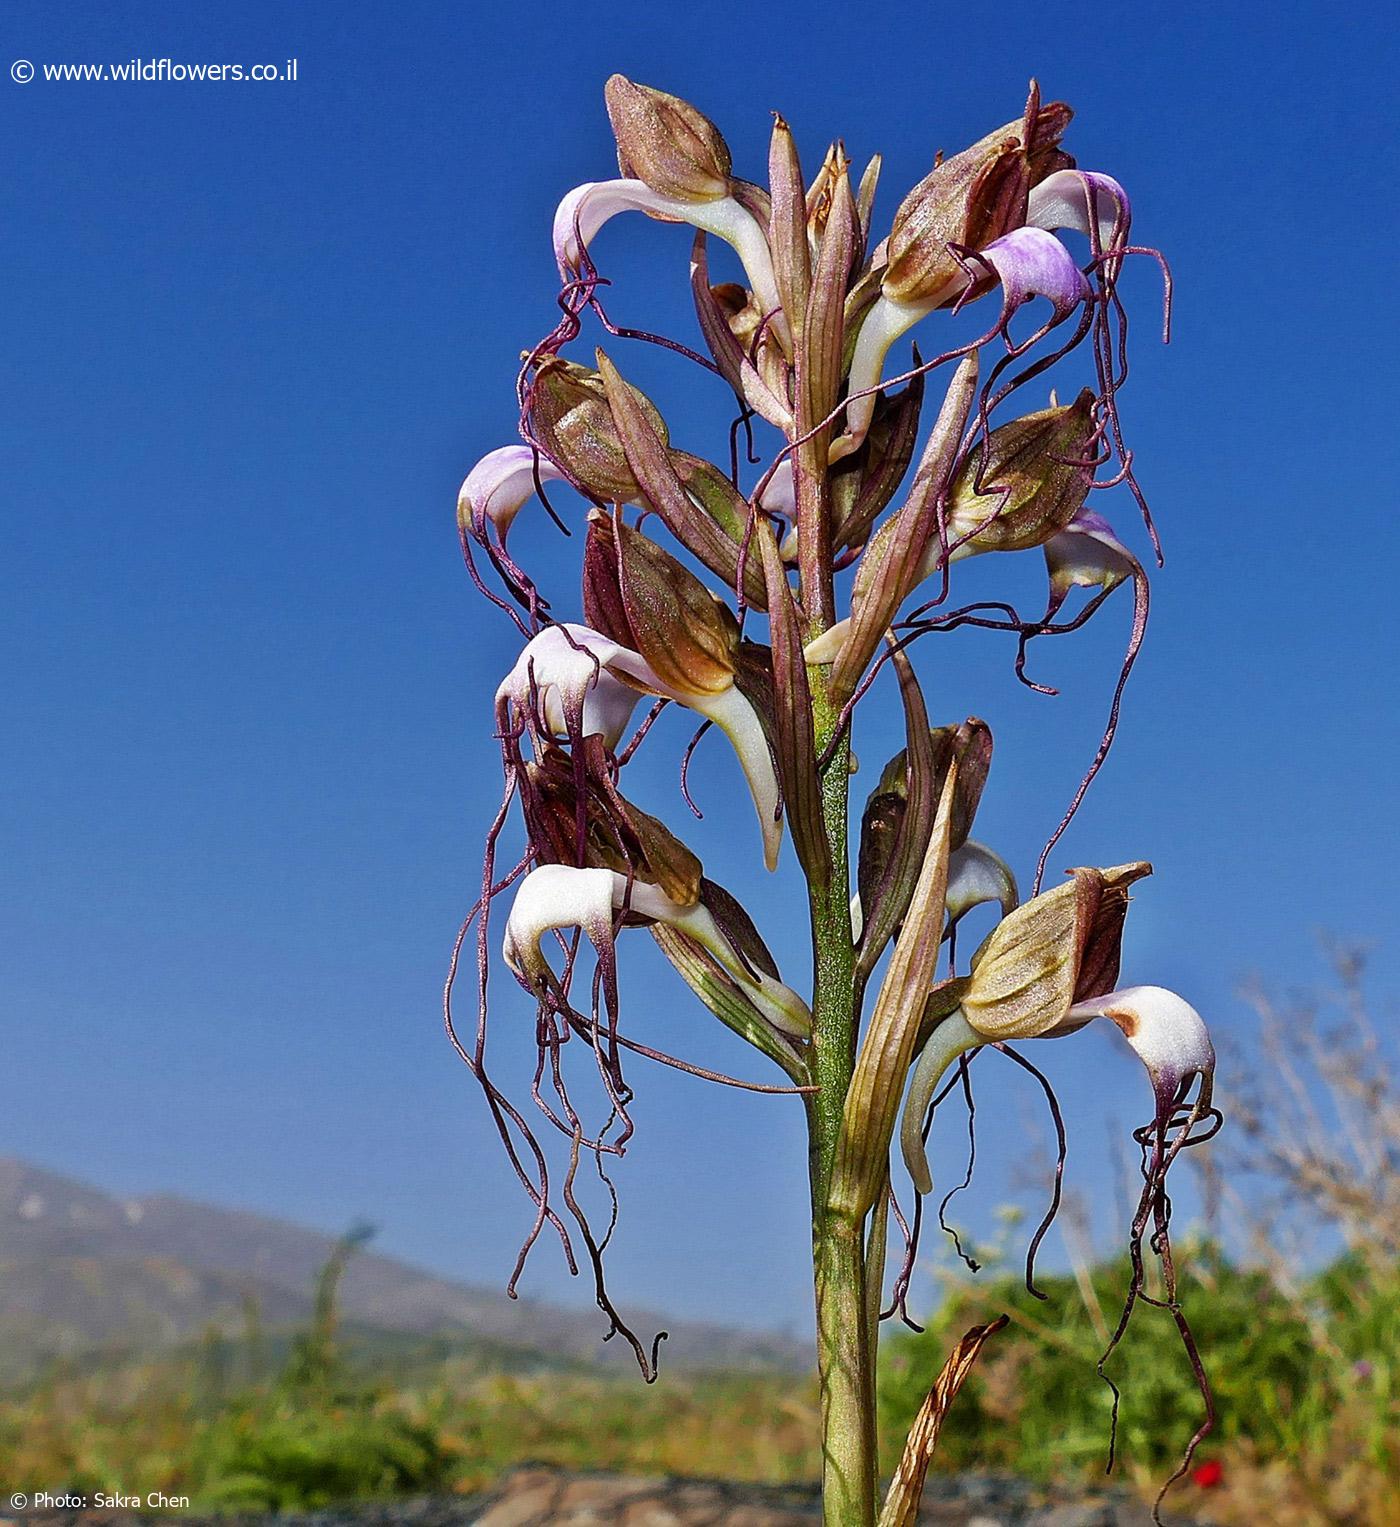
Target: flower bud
{"x": 665, "y": 142}
{"x": 1033, "y": 481}
{"x": 969, "y": 200}
{"x": 742, "y": 311}
{"x": 570, "y": 417}
{"x": 821, "y": 193}
{"x": 1030, "y": 980}
{"x": 969, "y": 747}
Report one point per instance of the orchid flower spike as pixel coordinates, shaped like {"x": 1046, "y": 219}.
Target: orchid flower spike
{"x": 498, "y": 486}
{"x": 563, "y": 896}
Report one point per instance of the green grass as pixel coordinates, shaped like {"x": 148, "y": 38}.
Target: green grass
{"x": 1306, "y": 1382}
{"x": 278, "y": 1421}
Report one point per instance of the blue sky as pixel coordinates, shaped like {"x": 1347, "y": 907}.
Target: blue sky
{"x": 254, "y": 336}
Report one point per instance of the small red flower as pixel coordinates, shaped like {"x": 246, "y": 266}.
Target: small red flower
{"x": 1209, "y": 1474}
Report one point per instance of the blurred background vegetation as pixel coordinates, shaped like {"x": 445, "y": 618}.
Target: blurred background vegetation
{"x": 1290, "y": 1281}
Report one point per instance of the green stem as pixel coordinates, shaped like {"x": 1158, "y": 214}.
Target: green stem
{"x": 847, "y": 1380}
{"x": 844, "y": 1358}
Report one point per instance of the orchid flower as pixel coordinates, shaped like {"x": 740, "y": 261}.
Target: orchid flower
{"x": 563, "y": 896}
{"x": 587, "y": 207}
{"x": 1021, "y": 487}
{"x": 675, "y": 166}
{"x": 1168, "y": 1035}
{"x": 1026, "y": 262}
{"x": 1046, "y": 969}
{"x": 587, "y": 682}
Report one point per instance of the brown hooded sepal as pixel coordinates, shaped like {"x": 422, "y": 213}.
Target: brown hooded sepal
{"x": 1046, "y": 954}
{"x": 640, "y": 596}
{"x": 570, "y": 419}
{"x": 970, "y": 747}
{"x": 971, "y": 199}
{"x": 615, "y": 834}
{"x": 666, "y": 143}
{"x": 1033, "y": 474}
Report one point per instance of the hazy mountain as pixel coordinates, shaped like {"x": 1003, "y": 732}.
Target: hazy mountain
{"x": 82, "y": 1270}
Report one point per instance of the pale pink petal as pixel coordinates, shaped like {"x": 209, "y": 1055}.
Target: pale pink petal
{"x": 1168, "y": 1034}
{"x": 500, "y": 483}
{"x": 587, "y": 207}
{"x": 569, "y": 668}
{"x": 1081, "y": 200}
{"x": 1086, "y": 554}
{"x": 1032, "y": 263}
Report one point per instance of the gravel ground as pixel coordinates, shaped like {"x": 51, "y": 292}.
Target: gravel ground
{"x": 538, "y": 1496}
